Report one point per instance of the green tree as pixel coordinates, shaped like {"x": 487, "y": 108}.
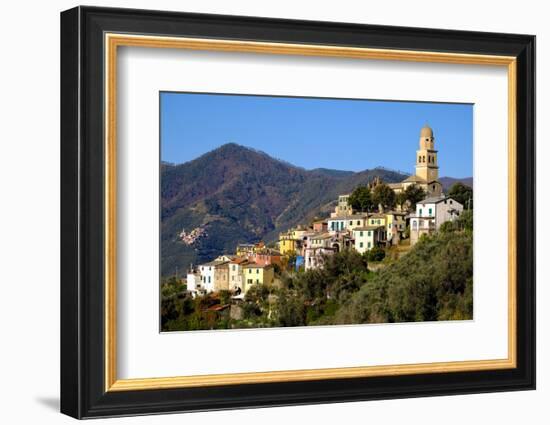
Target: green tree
{"x": 447, "y": 227}
{"x": 383, "y": 195}
{"x": 361, "y": 199}
{"x": 225, "y": 297}
{"x": 376, "y": 254}
{"x": 401, "y": 199}
{"x": 434, "y": 281}
{"x": 463, "y": 194}
{"x": 466, "y": 221}
{"x": 290, "y": 309}
{"x": 414, "y": 195}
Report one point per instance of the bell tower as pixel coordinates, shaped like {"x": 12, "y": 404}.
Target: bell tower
{"x": 426, "y": 156}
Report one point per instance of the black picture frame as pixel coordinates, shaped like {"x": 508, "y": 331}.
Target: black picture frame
{"x": 82, "y": 218}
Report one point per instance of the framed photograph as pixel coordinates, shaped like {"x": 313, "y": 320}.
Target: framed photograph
{"x": 261, "y": 212}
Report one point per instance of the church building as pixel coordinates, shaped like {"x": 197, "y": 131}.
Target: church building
{"x": 427, "y": 170}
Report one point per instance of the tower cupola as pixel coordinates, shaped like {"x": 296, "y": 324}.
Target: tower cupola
{"x": 426, "y": 156}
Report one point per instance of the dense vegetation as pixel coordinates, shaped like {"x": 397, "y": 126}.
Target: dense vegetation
{"x": 432, "y": 282}
{"x": 463, "y": 194}
{"x": 366, "y": 200}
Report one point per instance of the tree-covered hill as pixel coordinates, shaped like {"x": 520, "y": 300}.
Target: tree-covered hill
{"x": 434, "y": 281}
{"x": 448, "y": 182}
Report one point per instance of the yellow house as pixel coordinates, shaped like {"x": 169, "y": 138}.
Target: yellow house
{"x": 287, "y": 243}
{"x": 377, "y": 220}
{"x": 257, "y": 274}
{"x": 395, "y": 224}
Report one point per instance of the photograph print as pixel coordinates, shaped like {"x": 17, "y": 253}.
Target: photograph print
{"x": 296, "y": 211}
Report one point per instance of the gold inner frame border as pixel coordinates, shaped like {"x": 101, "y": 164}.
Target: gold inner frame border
{"x": 113, "y": 40}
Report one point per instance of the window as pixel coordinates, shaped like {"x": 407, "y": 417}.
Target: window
{"x": 370, "y": 233}
{"x": 233, "y": 278}
{"x": 208, "y": 279}
{"x": 358, "y": 222}
{"x": 249, "y": 270}
{"x": 420, "y": 212}
{"x": 360, "y": 244}
{"x": 368, "y": 245}
{"x": 361, "y": 233}
{"x": 430, "y": 211}
{"x": 350, "y": 222}
{"x": 451, "y": 202}
{"x": 257, "y": 271}
{"x": 419, "y": 158}
{"x": 389, "y": 225}
{"x": 257, "y": 280}
{"x": 249, "y": 281}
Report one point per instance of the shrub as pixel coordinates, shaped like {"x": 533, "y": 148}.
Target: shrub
{"x": 376, "y": 254}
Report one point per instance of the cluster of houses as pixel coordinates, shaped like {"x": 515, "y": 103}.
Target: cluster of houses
{"x": 252, "y": 264}
{"x": 189, "y": 238}
{"x": 346, "y": 228}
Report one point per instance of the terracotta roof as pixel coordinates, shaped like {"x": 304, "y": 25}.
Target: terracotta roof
{"x": 217, "y": 307}
{"x": 240, "y": 260}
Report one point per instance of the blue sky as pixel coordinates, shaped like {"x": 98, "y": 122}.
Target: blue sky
{"x": 312, "y": 132}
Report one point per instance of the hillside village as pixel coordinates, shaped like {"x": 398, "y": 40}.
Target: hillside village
{"x": 417, "y": 206}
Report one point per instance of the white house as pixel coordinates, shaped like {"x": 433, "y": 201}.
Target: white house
{"x": 317, "y": 246}
{"x": 431, "y": 213}
{"x": 236, "y": 282}
{"x": 367, "y": 237}
{"x": 348, "y": 222}
{"x": 208, "y": 274}
{"x": 395, "y": 226}
{"x": 193, "y": 281}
